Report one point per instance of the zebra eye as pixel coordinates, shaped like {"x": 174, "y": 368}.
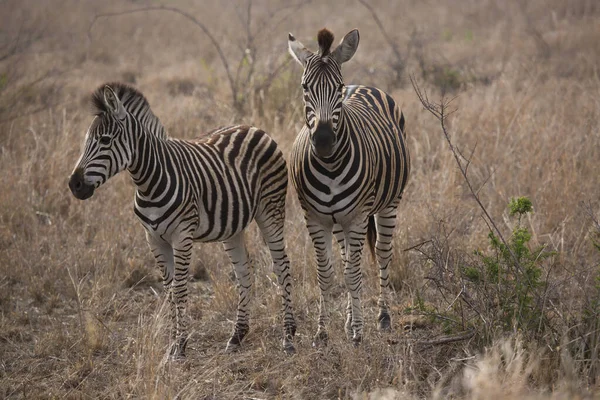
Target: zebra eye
{"x": 105, "y": 139}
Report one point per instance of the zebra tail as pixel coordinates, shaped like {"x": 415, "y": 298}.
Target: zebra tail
{"x": 371, "y": 236}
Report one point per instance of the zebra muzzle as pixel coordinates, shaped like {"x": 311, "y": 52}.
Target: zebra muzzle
{"x": 323, "y": 140}
{"x": 79, "y": 188}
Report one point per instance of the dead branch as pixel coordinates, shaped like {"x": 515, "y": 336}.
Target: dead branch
{"x": 387, "y": 37}
{"x": 447, "y": 339}
{"x": 232, "y": 84}
{"x": 441, "y": 112}
{"x": 241, "y": 75}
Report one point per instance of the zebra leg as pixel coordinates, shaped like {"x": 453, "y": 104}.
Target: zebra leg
{"x": 355, "y": 240}
{"x": 163, "y": 254}
{"x": 236, "y": 250}
{"x": 338, "y": 233}
{"x": 271, "y": 226}
{"x": 321, "y": 238}
{"x": 182, "y": 254}
{"x": 386, "y": 223}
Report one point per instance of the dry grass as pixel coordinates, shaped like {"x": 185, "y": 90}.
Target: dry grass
{"x": 81, "y": 314}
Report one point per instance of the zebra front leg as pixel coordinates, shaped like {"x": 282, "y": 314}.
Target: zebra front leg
{"x": 338, "y": 233}
{"x": 386, "y": 223}
{"x": 163, "y": 254}
{"x": 236, "y": 250}
{"x": 271, "y": 227}
{"x": 321, "y": 238}
{"x": 355, "y": 239}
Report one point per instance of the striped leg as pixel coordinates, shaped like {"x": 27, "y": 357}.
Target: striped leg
{"x": 182, "y": 254}
{"x": 271, "y": 227}
{"x": 236, "y": 250}
{"x": 386, "y": 223}
{"x": 355, "y": 240}
{"x": 338, "y": 233}
{"x": 321, "y": 238}
{"x": 163, "y": 254}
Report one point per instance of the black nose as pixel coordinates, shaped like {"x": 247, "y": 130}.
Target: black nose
{"x": 78, "y": 187}
{"x": 324, "y": 139}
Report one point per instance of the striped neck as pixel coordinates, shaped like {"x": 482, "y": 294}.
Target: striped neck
{"x": 149, "y": 159}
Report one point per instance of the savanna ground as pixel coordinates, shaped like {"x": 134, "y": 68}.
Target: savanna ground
{"x": 81, "y": 312}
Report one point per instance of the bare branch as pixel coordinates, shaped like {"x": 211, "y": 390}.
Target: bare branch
{"x": 439, "y": 111}
{"x": 213, "y": 40}
{"x": 387, "y": 37}
{"x": 418, "y": 245}
{"x": 448, "y": 339}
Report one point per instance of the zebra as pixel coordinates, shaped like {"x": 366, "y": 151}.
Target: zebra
{"x": 205, "y": 190}
{"x": 349, "y": 165}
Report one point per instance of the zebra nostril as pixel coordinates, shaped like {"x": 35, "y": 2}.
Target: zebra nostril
{"x": 78, "y": 185}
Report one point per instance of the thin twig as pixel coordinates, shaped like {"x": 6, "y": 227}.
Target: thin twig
{"x": 418, "y": 245}
{"x": 387, "y": 37}
{"x": 215, "y": 43}
{"x": 440, "y": 111}
{"x": 448, "y": 339}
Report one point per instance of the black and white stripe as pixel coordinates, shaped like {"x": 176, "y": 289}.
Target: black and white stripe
{"x": 349, "y": 165}
{"x": 205, "y": 190}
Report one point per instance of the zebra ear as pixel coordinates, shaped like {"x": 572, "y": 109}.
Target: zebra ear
{"x": 347, "y": 47}
{"x": 113, "y": 104}
{"x": 298, "y": 51}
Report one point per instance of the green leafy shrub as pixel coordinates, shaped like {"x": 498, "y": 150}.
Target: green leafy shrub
{"x": 509, "y": 276}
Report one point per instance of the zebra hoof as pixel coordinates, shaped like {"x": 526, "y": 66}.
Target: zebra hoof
{"x": 288, "y": 347}
{"x": 348, "y": 329}
{"x": 356, "y": 341}
{"x": 232, "y": 347}
{"x": 384, "y": 322}
{"x": 177, "y": 352}
{"x": 320, "y": 339}
{"x": 177, "y": 357}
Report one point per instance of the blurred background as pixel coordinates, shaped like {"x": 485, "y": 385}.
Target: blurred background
{"x": 81, "y": 311}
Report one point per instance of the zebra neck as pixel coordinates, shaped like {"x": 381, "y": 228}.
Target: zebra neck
{"x": 150, "y": 164}
{"x": 148, "y": 121}
{"x": 342, "y": 150}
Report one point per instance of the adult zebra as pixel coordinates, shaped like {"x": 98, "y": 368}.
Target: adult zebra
{"x": 349, "y": 165}
{"x": 205, "y": 190}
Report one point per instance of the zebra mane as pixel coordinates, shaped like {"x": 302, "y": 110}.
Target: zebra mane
{"x": 133, "y": 100}
{"x": 325, "y": 39}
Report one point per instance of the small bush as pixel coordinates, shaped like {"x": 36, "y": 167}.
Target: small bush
{"x": 509, "y": 276}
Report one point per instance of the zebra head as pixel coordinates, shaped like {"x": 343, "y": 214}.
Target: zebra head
{"x": 323, "y": 86}
{"x": 105, "y": 150}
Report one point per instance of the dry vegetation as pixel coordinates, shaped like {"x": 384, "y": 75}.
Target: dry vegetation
{"x": 81, "y": 314}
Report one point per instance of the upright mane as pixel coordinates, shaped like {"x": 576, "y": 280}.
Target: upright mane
{"x": 134, "y": 102}
{"x": 325, "y": 39}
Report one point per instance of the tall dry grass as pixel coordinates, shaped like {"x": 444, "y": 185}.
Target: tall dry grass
{"x": 81, "y": 312}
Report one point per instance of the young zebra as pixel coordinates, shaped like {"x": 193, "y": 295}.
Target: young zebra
{"x": 206, "y": 190}
{"x": 349, "y": 165}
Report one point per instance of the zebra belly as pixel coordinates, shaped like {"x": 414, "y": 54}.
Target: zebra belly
{"x": 223, "y": 221}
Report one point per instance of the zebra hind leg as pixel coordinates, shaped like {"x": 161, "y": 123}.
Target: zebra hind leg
{"x": 182, "y": 254}
{"x": 386, "y": 223}
{"x": 236, "y": 250}
{"x": 271, "y": 226}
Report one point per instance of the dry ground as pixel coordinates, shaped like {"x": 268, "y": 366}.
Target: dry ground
{"x": 81, "y": 314}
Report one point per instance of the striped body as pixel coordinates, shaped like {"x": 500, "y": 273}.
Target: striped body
{"x": 217, "y": 184}
{"x": 370, "y": 167}
{"x": 205, "y": 190}
{"x": 349, "y": 165}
